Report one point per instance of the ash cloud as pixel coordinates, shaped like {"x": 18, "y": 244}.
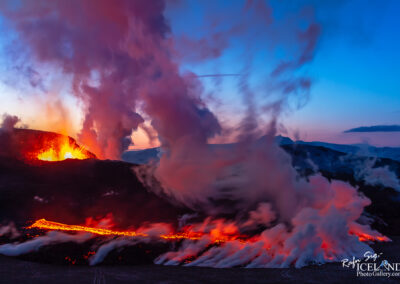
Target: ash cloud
{"x": 108, "y": 47}
{"x": 375, "y": 128}
{"x": 9, "y": 122}
{"x": 7, "y": 142}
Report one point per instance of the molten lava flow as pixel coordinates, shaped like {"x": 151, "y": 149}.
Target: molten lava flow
{"x": 217, "y": 236}
{"x": 365, "y": 235}
{"x": 49, "y": 225}
{"x": 35, "y": 145}
{"x": 369, "y": 238}
{"x": 60, "y": 149}
{"x": 186, "y": 234}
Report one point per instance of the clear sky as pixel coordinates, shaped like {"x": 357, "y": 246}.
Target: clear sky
{"x": 355, "y": 71}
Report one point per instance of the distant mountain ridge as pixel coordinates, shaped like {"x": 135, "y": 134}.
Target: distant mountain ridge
{"x": 359, "y": 149}
{"x": 144, "y": 156}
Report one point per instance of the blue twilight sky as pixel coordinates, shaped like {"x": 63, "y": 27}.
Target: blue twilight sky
{"x": 355, "y": 69}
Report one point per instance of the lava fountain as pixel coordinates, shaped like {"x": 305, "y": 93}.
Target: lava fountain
{"x": 34, "y": 145}
{"x": 62, "y": 149}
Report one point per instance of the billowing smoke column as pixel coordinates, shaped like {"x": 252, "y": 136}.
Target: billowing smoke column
{"x": 111, "y": 48}
{"x": 7, "y": 143}
{"x": 120, "y": 56}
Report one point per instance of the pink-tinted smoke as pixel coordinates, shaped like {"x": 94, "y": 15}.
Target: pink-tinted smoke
{"x": 109, "y": 48}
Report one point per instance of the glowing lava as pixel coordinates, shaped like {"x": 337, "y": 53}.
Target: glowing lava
{"x": 366, "y": 238}
{"x": 35, "y": 145}
{"x": 49, "y": 225}
{"x": 60, "y": 149}
{"x": 216, "y": 238}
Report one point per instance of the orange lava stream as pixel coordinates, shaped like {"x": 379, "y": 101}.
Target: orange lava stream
{"x": 49, "y": 225}
{"x": 365, "y": 238}
{"x": 220, "y": 238}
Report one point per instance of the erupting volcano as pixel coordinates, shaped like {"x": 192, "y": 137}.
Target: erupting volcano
{"x": 35, "y": 145}
{"x": 62, "y": 149}
{"x": 222, "y": 178}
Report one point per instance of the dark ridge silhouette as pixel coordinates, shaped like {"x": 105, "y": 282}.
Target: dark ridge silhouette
{"x": 375, "y": 128}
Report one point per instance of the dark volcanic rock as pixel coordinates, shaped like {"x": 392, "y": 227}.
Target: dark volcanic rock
{"x": 71, "y": 190}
